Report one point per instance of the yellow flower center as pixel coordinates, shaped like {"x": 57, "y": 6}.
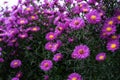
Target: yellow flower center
{"x": 118, "y": 17}
{"x": 101, "y": 57}
{"x": 34, "y": 29}
{"x": 60, "y": 28}
{"x": 1, "y": 39}
{"x": 28, "y": 9}
{"x": 22, "y": 21}
{"x": 13, "y": 40}
{"x": 81, "y": 51}
{"x": 51, "y": 36}
{"x": 80, "y": 5}
{"x": 33, "y": 17}
{"x": 50, "y": 46}
{"x": 76, "y": 22}
{"x": 15, "y": 63}
{"x": 58, "y": 57}
{"x": 110, "y": 22}
{"x": 23, "y": 36}
{"x": 93, "y": 17}
{"x": 101, "y": 14}
{"x": 113, "y": 46}
{"x": 114, "y": 37}
{"x": 46, "y": 65}
{"x": 85, "y": 10}
{"x": 108, "y": 29}
{"x": 74, "y": 78}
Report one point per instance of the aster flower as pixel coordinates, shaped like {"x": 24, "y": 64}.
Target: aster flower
{"x": 77, "y": 23}
{"x": 33, "y": 17}
{"x": 50, "y": 36}
{"x": 101, "y": 12}
{"x": 57, "y": 57}
{"x": 93, "y": 17}
{"x": 118, "y": 18}
{"x": 59, "y": 28}
{"x": 35, "y": 29}
{"x": 101, "y": 56}
{"x": 19, "y": 75}
{"x": 46, "y": 77}
{"x": 29, "y": 9}
{"x": 15, "y": 63}
{"x": 46, "y": 65}
{"x": 48, "y": 45}
{"x": 1, "y": 60}
{"x": 22, "y": 35}
{"x": 104, "y": 35}
{"x": 81, "y": 52}
{"x": 15, "y": 78}
{"x": 113, "y": 37}
{"x": 110, "y": 21}
{"x": 22, "y": 21}
{"x": 56, "y": 46}
{"x": 84, "y": 7}
{"x": 74, "y": 76}
{"x": 109, "y": 29}
{"x": 76, "y": 10}
{"x": 113, "y": 45}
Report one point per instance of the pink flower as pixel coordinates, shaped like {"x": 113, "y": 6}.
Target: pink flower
{"x": 80, "y": 52}
{"x": 46, "y": 65}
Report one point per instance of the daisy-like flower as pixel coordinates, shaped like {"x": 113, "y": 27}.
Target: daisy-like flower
{"x": 113, "y": 45}
{"x": 84, "y": 7}
{"x": 33, "y": 17}
{"x": 19, "y": 75}
{"x": 110, "y": 21}
{"x": 118, "y": 18}
{"x": 56, "y": 46}
{"x": 46, "y": 65}
{"x": 1, "y": 60}
{"x": 50, "y": 36}
{"x": 15, "y": 78}
{"x": 109, "y": 29}
{"x": 46, "y": 77}
{"x": 48, "y": 45}
{"x": 104, "y": 35}
{"x": 81, "y": 52}
{"x": 101, "y": 56}
{"x": 76, "y": 10}
{"x": 35, "y": 29}
{"x": 101, "y": 12}
{"x": 22, "y": 21}
{"x": 57, "y": 57}
{"x": 77, "y": 23}
{"x": 15, "y": 63}
{"x": 59, "y": 28}
{"x": 93, "y": 17}
{"x": 22, "y": 35}
{"x": 74, "y": 76}
{"x": 113, "y": 37}
{"x": 29, "y": 9}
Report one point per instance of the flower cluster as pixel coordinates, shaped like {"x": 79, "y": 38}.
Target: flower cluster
{"x": 54, "y": 34}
